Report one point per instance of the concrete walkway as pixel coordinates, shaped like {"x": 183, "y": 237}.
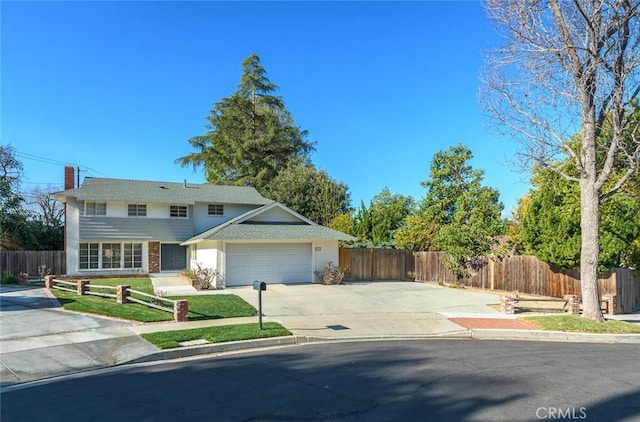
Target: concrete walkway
{"x": 39, "y": 339}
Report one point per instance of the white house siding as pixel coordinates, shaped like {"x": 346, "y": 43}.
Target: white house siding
{"x": 206, "y": 254}
{"x": 328, "y": 252}
{"x": 72, "y": 219}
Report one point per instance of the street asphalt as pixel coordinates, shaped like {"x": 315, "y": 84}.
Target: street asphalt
{"x": 40, "y": 340}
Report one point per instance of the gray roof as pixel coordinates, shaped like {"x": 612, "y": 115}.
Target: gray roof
{"x": 245, "y": 231}
{"x": 102, "y": 189}
{"x": 241, "y": 228}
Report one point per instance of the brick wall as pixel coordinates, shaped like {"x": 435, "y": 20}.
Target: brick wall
{"x": 154, "y": 257}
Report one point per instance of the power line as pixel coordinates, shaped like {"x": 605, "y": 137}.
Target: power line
{"x": 58, "y": 163}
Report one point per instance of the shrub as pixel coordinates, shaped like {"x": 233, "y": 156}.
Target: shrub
{"x": 205, "y": 278}
{"x": 8, "y": 278}
{"x": 330, "y": 274}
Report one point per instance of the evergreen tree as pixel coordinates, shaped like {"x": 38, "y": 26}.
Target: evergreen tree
{"x": 550, "y": 226}
{"x": 251, "y": 135}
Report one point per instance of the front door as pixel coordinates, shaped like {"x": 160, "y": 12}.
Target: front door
{"x": 173, "y": 257}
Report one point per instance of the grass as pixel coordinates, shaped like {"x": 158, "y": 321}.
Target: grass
{"x": 574, "y": 323}
{"x": 225, "y": 333}
{"x": 200, "y": 307}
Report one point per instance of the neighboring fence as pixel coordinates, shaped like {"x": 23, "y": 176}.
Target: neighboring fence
{"x": 122, "y": 294}
{"x": 529, "y": 275}
{"x": 15, "y": 262}
{"x": 376, "y": 264}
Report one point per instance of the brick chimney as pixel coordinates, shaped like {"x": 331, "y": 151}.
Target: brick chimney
{"x": 68, "y": 178}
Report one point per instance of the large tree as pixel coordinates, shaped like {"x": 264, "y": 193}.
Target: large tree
{"x": 458, "y": 215}
{"x": 14, "y": 227}
{"x": 251, "y": 135}
{"x": 309, "y": 191}
{"x": 567, "y": 67}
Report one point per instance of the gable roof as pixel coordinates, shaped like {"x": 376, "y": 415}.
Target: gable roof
{"x": 136, "y": 191}
{"x": 242, "y": 228}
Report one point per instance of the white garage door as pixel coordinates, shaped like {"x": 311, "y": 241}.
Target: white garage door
{"x": 273, "y": 263}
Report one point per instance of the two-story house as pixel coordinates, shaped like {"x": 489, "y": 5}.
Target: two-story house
{"x": 116, "y": 226}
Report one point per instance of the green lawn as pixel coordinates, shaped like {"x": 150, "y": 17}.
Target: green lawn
{"x": 575, "y": 323}
{"x": 225, "y": 333}
{"x": 200, "y": 307}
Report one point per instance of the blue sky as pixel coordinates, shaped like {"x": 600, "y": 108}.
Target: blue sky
{"x": 118, "y": 88}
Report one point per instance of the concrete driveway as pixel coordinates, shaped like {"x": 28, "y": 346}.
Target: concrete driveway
{"x": 370, "y": 309}
{"x": 40, "y": 339}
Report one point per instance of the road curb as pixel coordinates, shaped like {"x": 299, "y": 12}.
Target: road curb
{"x": 463, "y": 334}
{"x": 537, "y": 335}
{"x": 231, "y": 346}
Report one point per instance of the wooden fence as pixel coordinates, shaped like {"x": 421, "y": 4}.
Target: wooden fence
{"x": 376, "y": 264}
{"x": 527, "y": 274}
{"x": 16, "y": 262}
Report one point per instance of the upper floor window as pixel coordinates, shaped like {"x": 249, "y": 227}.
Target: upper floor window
{"x": 216, "y": 209}
{"x": 137, "y": 210}
{"x": 178, "y": 211}
{"x": 95, "y": 208}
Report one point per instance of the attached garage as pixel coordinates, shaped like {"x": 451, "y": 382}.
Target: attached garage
{"x": 272, "y": 244}
{"x": 273, "y": 263}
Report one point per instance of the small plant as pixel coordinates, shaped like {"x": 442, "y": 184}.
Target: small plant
{"x": 8, "y": 278}
{"x": 162, "y": 294}
{"x": 43, "y": 270}
{"x": 330, "y": 274}
{"x": 411, "y": 275}
{"x": 205, "y": 278}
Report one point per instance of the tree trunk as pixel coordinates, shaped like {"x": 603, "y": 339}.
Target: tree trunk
{"x": 589, "y": 223}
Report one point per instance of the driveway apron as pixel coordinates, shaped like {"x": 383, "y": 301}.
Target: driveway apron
{"x": 370, "y": 309}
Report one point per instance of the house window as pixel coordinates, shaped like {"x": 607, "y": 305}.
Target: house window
{"x": 179, "y": 211}
{"x": 137, "y": 210}
{"x": 194, "y": 252}
{"x": 132, "y": 253}
{"x": 95, "y": 208}
{"x": 110, "y": 255}
{"x": 89, "y": 256}
{"x": 216, "y": 209}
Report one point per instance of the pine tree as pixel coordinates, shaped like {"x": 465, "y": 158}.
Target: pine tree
{"x": 251, "y": 134}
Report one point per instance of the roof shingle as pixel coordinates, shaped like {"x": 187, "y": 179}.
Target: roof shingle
{"x": 143, "y": 191}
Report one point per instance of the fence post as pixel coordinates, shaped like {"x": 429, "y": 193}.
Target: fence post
{"x": 612, "y": 304}
{"x": 574, "y": 304}
{"x": 507, "y": 304}
{"x": 83, "y": 286}
{"x": 492, "y": 272}
{"x": 181, "y": 310}
{"x": 48, "y": 281}
{"x": 122, "y": 293}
